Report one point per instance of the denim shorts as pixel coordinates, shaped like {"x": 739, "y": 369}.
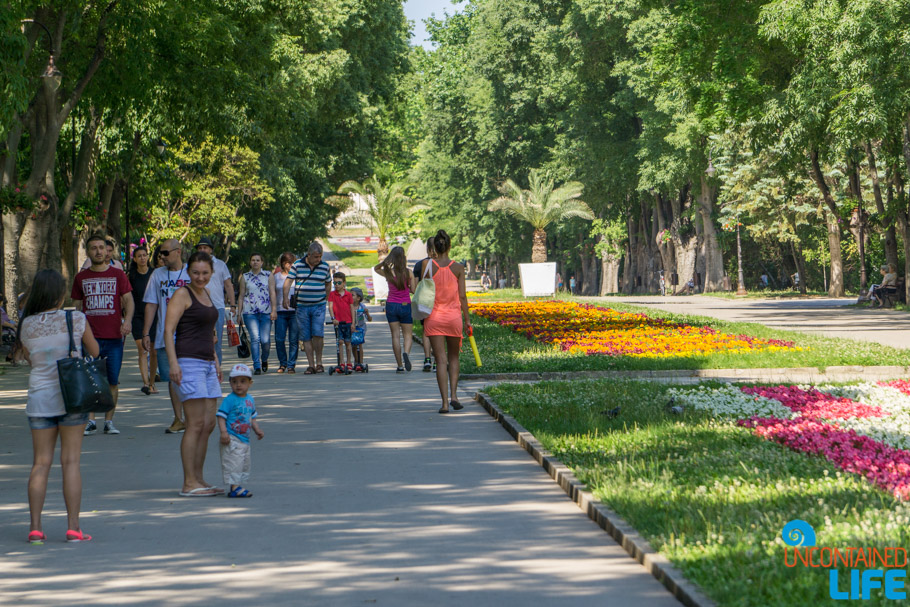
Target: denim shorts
{"x": 69, "y": 419}
{"x": 398, "y": 312}
{"x": 344, "y": 332}
{"x": 112, "y": 351}
{"x": 164, "y": 366}
{"x": 311, "y": 321}
{"x": 200, "y": 379}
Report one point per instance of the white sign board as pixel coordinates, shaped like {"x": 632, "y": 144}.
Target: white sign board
{"x": 380, "y": 286}
{"x": 538, "y": 279}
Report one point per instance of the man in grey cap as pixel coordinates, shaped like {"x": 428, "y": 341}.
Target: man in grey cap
{"x": 219, "y": 285}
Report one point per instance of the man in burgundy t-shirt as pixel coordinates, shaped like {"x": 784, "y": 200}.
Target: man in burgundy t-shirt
{"x": 106, "y": 302}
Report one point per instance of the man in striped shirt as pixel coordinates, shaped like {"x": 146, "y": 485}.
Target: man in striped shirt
{"x": 312, "y": 282}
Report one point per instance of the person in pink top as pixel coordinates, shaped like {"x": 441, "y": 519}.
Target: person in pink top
{"x": 394, "y": 268}
{"x": 444, "y": 325}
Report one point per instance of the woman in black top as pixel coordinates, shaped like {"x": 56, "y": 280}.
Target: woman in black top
{"x": 139, "y": 275}
{"x": 189, "y": 339}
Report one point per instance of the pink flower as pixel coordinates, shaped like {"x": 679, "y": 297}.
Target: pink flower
{"x": 881, "y": 464}
{"x": 814, "y": 404}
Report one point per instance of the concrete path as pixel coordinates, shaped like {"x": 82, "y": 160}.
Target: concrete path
{"x": 823, "y": 316}
{"x": 364, "y": 494}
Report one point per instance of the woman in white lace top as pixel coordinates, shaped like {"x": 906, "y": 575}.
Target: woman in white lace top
{"x": 45, "y": 340}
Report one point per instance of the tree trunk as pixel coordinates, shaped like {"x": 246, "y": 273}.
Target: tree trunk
{"x": 836, "y": 285}
{"x": 539, "y": 248}
{"x": 890, "y": 233}
{"x": 797, "y": 251}
{"x": 609, "y": 273}
{"x": 714, "y": 260}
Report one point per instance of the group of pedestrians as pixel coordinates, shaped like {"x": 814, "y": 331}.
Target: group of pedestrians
{"x": 175, "y": 313}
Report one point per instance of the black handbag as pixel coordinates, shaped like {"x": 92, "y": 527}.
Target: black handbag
{"x": 243, "y": 350}
{"x": 83, "y": 381}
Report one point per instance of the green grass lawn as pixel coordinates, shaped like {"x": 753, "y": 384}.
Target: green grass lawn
{"x": 352, "y": 259}
{"x": 503, "y": 351}
{"x": 709, "y": 495}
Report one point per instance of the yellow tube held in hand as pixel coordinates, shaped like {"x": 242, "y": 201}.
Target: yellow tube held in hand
{"x": 474, "y": 346}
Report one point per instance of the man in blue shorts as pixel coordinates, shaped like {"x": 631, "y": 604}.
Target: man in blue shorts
{"x": 311, "y": 280}
{"x": 104, "y": 292}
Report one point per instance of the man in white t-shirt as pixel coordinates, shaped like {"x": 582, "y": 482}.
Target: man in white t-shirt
{"x": 219, "y": 284}
{"x": 162, "y": 285}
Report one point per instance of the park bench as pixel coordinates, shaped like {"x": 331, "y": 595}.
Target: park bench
{"x": 893, "y": 296}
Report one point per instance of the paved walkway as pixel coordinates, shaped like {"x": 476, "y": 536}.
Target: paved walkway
{"x": 364, "y": 495}
{"x": 825, "y": 316}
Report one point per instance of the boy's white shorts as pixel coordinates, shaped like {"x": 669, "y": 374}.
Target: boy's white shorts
{"x": 235, "y": 462}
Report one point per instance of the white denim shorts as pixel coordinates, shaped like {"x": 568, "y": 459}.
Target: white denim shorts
{"x": 200, "y": 379}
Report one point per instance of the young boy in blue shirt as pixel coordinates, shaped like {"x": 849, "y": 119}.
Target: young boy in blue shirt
{"x": 360, "y": 314}
{"x": 236, "y": 416}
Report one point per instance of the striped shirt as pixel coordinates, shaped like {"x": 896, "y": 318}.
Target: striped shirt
{"x": 309, "y": 283}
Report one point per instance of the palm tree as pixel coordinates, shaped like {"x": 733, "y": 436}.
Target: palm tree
{"x": 540, "y": 206}
{"x": 385, "y": 205}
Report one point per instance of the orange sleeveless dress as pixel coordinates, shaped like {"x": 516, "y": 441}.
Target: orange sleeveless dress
{"x": 446, "y": 317}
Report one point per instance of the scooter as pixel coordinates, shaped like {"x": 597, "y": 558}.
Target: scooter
{"x": 339, "y": 368}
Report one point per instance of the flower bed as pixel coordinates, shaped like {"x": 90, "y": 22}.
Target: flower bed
{"x": 712, "y": 495}
{"x": 863, "y": 429}
{"x": 591, "y": 330}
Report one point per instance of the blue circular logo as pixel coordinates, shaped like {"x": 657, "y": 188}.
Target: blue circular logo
{"x": 798, "y": 533}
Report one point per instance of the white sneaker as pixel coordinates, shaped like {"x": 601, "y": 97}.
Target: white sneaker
{"x": 90, "y": 428}
{"x": 109, "y": 427}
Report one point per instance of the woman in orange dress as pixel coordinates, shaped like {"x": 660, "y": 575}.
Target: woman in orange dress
{"x": 443, "y": 326}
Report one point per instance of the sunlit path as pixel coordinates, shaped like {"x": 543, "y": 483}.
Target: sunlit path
{"x": 363, "y": 494}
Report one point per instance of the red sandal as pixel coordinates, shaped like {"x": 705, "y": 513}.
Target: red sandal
{"x": 36, "y": 537}
{"x": 77, "y": 536}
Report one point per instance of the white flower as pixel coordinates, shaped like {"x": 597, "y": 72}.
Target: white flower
{"x": 730, "y": 401}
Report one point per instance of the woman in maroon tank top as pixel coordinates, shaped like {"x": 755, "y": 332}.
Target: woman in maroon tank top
{"x": 189, "y": 339}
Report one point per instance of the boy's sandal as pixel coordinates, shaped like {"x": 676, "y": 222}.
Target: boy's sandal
{"x": 36, "y": 537}
{"x": 310, "y": 371}
{"x": 239, "y": 491}
{"x": 77, "y": 536}
{"x": 320, "y": 369}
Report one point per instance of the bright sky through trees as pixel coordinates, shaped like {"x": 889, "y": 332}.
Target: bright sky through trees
{"x": 418, "y": 10}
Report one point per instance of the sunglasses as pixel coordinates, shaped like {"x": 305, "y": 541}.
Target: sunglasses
{"x": 163, "y": 252}
{"x": 339, "y": 282}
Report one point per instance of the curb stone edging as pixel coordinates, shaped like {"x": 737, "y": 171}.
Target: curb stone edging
{"x": 625, "y": 535}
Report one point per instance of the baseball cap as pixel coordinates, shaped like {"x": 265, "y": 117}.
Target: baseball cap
{"x": 241, "y": 370}
{"x": 205, "y": 240}
{"x": 358, "y": 292}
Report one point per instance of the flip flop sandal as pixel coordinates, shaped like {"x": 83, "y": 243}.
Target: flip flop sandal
{"x": 198, "y": 492}
{"x": 239, "y": 491}
{"x": 310, "y": 371}
{"x": 153, "y": 390}
{"x": 217, "y": 490}
{"x": 456, "y": 405}
{"x": 441, "y": 410}
{"x": 36, "y": 538}
{"x": 320, "y": 369}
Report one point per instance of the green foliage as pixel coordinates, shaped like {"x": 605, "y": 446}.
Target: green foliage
{"x": 383, "y": 205}
{"x": 216, "y": 182}
{"x": 542, "y": 204}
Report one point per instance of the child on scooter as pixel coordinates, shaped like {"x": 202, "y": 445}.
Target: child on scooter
{"x": 340, "y": 301}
